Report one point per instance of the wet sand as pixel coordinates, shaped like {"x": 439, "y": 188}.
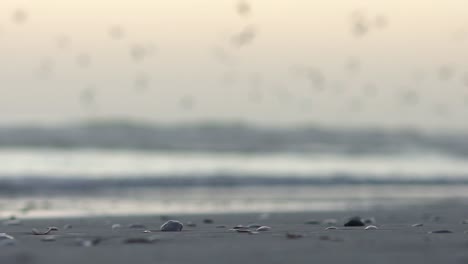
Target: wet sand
{"x": 395, "y": 240}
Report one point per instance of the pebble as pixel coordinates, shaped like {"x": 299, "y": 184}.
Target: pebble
{"x": 141, "y": 240}
{"x": 354, "y": 221}
{"x": 254, "y": 226}
{"x": 331, "y": 228}
{"x": 293, "y": 236}
{"x": 371, "y": 227}
{"x": 191, "y": 224}
{"x": 208, "y": 221}
{"x": 441, "y": 232}
{"x": 263, "y": 228}
{"x": 417, "y": 225}
{"x": 246, "y": 231}
{"x": 172, "y": 226}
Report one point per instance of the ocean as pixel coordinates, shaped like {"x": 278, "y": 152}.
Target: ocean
{"x": 121, "y": 168}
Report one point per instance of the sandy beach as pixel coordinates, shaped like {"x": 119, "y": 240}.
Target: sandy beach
{"x": 124, "y": 239}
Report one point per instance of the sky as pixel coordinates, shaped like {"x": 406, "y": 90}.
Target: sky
{"x": 359, "y": 63}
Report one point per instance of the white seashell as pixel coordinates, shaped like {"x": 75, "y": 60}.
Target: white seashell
{"x": 263, "y": 228}
{"x": 371, "y": 227}
{"x": 331, "y": 228}
{"x": 116, "y": 226}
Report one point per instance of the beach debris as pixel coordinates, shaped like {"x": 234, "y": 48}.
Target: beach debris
{"x": 49, "y": 238}
{"x": 172, "y": 226}
{"x": 312, "y": 222}
{"x": 238, "y": 227}
{"x": 7, "y": 240}
{"x": 441, "y": 232}
{"x": 208, "y": 221}
{"x": 293, "y": 236}
{"x": 89, "y": 242}
{"x": 371, "y": 227}
{"x": 137, "y": 226}
{"x": 330, "y": 221}
{"x": 67, "y": 226}
{"x": 331, "y": 228}
{"x": 417, "y": 225}
{"x": 263, "y": 228}
{"x": 141, "y": 240}
{"x": 147, "y": 231}
{"x": 354, "y": 221}
{"x": 40, "y": 233}
{"x": 190, "y": 224}
{"x": 116, "y": 226}
{"x": 254, "y": 225}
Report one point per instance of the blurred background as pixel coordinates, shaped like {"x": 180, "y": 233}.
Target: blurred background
{"x": 136, "y": 107}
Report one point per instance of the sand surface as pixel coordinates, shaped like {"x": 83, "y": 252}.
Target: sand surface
{"x": 395, "y": 240}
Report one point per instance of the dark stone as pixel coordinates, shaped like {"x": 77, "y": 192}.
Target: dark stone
{"x": 354, "y": 221}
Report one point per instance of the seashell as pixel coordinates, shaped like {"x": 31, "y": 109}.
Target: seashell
{"x": 116, "y": 226}
{"x": 89, "y": 242}
{"x": 7, "y": 240}
{"x": 4, "y": 236}
{"x": 246, "y": 231}
{"x": 172, "y": 226}
{"x": 331, "y": 228}
{"x": 371, "y": 227}
{"x": 264, "y": 228}
{"x": 417, "y": 225}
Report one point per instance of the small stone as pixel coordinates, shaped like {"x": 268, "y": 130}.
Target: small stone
{"x": 441, "y": 232}
{"x": 354, "y": 221}
{"x": 6, "y": 240}
{"x": 293, "y": 236}
{"x": 238, "y": 227}
{"x": 141, "y": 240}
{"x": 246, "y": 231}
{"x": 417, "y": 225}
{"x": 331, "y": 228}
{"x": 312, "y": 222}
{"x": 371, "y": 227}
{"x": 208, "y": 221}
{"x": 172, "y": 226}
{"x": 147, "y": 231}
{"x": 254, "y": 226}
{"x": 263, "y": 228}
{"x": 191, "y": 224}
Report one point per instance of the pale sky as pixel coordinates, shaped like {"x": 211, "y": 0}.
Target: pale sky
{"x": 379, "y": 63}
